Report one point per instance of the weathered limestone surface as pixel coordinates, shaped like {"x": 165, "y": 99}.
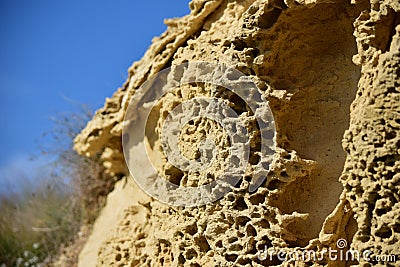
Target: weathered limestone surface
{"x": 330, "y": 70}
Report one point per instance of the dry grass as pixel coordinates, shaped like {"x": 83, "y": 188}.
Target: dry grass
{"x": 33, "y": 225}
{"x": 48, "y": 213}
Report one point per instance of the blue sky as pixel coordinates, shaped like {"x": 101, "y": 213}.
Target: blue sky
{"x": 51, "y": 50}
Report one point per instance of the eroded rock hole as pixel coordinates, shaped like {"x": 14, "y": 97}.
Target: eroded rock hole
{"x": 231, "y": 257}
{"x": 240, "y": 204}
{"x": 174, "y": 175}
{"x": 203, "y": 244}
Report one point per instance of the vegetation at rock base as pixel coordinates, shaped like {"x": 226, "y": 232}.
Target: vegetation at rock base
{"x": 50, "y": 207}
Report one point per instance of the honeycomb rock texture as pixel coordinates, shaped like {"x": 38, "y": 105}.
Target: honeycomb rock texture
{"x": 330, "y": 71}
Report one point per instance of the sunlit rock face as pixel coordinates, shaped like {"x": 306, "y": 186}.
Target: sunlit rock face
{"x": 329, "y": 71}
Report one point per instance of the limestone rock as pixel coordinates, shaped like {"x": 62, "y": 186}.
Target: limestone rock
{"x": 330, "y": 72}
